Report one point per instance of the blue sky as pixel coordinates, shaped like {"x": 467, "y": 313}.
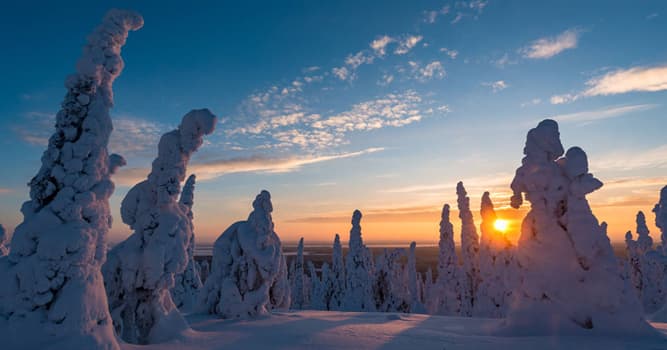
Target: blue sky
{"x": 376, "y": 105}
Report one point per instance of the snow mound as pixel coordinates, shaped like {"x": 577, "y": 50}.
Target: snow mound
{"x": 52, "y": 292}
{"x": 140, "y": 271}
{"x": 568, "y": 269}
{"x": 248, "y": 275}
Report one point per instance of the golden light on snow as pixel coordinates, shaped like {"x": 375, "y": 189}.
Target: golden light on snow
{"x": 501, "y": 225}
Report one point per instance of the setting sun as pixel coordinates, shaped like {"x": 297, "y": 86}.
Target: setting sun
{"x": 501, "y": 225}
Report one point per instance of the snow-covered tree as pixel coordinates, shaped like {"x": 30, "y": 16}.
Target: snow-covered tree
{"x": 323, "y": 290}
{"x": 448, "y": 284}
{"x": 570, "y": 281}
{"x": 470, "y": 277}
{"x": 660, "y": 211}
{"x": 140, "y": 271}
{"x": 634, "y": 267}
{"x": 359, "y": 271}
{"x": 297, "y": 290}
{"x": 644, "y": 240}
{"x": 316, "y": 290}
{"x": 248, "y": 274}
{"x": 52, "y": 288}
{"x": 204, "y": 270}
{"x": 187, "y": 283}
{"x": 390, "y": 289}
{"x": 495, "y": 261}
{"x": 337, "y": 276}
{"x": 414, "y": 282}
{"x": 3, "y": 242}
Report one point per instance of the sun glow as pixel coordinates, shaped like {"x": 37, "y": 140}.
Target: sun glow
{"x": 501, "y": 225}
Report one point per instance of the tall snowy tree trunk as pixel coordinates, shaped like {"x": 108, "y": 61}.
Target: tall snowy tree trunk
{"x": 359, "y": 271}
{"x": 470, "y": 251}
{"x": 52, "y": 289}
{"x": 140, "y": 271}
{"x": 298, "y": 298}
{"x": 448, "y": 283}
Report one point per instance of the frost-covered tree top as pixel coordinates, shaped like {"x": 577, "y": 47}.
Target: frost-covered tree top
{"x": 447, "y": 253}
{"x": 660, "y": 211}
{"x": 569, "y": 275}
{"x": 249, "y": 274}
{"x": 644, "y": 241}
{"x": 52, "y": 283}
{"x": 356, "y": 242}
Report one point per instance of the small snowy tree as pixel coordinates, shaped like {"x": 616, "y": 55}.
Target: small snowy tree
{"x": 298, "y": 298}
{"x": 249, "y": 274}
{"x": 140, "y": 271}
{"x": 660, "y": 211}
{"x": 570, "y": 281}
{"x": 470, "y": 252}
{"x": 644, "y": 240}
{"x": 52, "y": 290}
{"x": 188, "y": 283}
{"x": 448, "y": 283}
{"x": 3, "y": 242}
{"x": 416, "y": 302}
{"x": 204, "y": 270}
{"x": 337, "y": 276}
{"x": 634, "y": 268}
{"x": 317, "y": 289}
{"x": 495, "y": 260}
{"x": 390, "y": 289}
{"x": 359, "y": 271}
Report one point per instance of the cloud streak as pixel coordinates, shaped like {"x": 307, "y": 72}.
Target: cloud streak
{"x": 253, "y": 164}
{"x": 601, "y": 114}
{"x": 548, "y": 47}
{"x": 621, "y": 81}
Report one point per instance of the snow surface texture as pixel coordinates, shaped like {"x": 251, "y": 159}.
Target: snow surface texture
{"x": 248, "y": 274}
{"x": 327, "y": 330}
{"x": 447, "y": 284}
{"x": 568, "y": 268}
{"x": 496, "y": 266}
{"x": 188, "y": 283}
{"x": 470, "y": 277}
{"x": 140, "y": 271}
{"x": 3, "y": 242}
{"x": 52, "y": 293}
{"x": 358, "y": 271}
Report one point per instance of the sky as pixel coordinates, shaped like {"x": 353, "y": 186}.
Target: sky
{"x": 381, "y": 106}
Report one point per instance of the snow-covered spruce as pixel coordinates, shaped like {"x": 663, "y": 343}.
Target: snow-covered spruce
{"x": 337, "y": 276}
{"x": 297, "y": 289}
{"x": 140, "y": 271}
{"x": 495, "y": 265}
{"x": 187, "y": 283}
{"x": 448, "y": 284}
{"x": 568, "y": 269}
{"x": 52, "y": 292}
{"x": 644, "y": 240}
{"x": 358, "y": 271}
{"x": 633, "y": 266}
{"x": 660, "y": 211}
{"x": 414, "y": 282}
{"x": 248, "y": 274}
{"x": 390, "y": 290}
{"x": 470, "y": 277}
{"x": 3, "y": 242}
{"x": 204, "y": 270}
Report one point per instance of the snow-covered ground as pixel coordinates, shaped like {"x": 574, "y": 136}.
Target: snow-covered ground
{"x": 323, "y": 330}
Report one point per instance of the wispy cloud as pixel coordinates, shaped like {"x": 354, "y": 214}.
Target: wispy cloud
{"x": 548, "y": 47}
{"x": 432, "y": 15}
{"x": 379, "y": 45}
{"x": 131, "y": 135}
{"x": 533, "y": 102}
{"x": 655, "y": 158}
{"x": 487, "y": 182}
{"x": 496, "y": 85}
{"x": 432, "y": 70}
{"x": 406, "y": 44}
{"x": 449, "y": 52}
{"x": 601, "y": 114}
{"x": 652, "y": 16}
{"x": 254, "y": 164}
{"x": 5, "y": 190}
{"x": 636, "y": 79}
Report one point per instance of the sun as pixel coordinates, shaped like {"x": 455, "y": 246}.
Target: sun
{"x": 501, "y": 225}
